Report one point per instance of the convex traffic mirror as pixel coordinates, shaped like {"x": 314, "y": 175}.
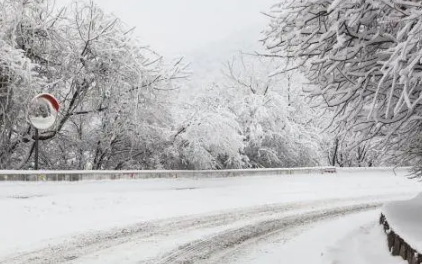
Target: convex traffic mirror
{"x": 43, "y": 110}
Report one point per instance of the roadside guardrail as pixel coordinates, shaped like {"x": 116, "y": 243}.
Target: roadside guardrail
{"x": 50, "y": 175}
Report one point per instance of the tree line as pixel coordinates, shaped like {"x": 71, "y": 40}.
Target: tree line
{"x": 337, "y": 85}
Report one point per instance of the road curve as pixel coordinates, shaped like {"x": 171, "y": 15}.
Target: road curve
{"x": 220, "y": 244}
{"x": 254, "y": 222}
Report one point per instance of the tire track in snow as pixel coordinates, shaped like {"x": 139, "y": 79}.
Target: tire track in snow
{"x": 94, "y": 242}
{"x": 200, "y": 251}
{"x": 86, "y": 244}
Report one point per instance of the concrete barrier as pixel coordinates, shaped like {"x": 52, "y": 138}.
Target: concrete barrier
{"x": 146, "y": 174}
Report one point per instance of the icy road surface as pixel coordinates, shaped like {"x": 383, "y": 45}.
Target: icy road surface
{"x": 245, "y": 220}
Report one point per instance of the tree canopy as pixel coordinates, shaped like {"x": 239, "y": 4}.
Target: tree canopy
{"x": 120, "y": 104}
{"x": 107, "y": 84}
{"x": 364, "y": 58}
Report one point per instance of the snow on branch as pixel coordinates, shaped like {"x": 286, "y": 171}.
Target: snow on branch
{"x": 363, "y": 55}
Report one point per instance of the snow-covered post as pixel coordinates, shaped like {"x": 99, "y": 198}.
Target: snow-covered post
{"x": 42, "y": 114}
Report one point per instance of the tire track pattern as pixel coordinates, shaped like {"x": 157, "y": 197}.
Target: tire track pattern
{"x": 202, "y": 250}
{"x": 96, "y": 241}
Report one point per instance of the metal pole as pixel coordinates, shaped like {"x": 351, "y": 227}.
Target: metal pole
{"x": 36, "y": 149}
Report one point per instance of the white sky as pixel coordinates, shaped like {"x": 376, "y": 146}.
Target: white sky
{"x": 174, "y": 27}
{"x": 205, "y": 32}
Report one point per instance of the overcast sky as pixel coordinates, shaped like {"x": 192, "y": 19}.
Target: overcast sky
{"x": 183, "y": 26}
{"x": 205, "y": 32}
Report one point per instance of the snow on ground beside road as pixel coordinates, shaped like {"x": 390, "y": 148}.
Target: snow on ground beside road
{"x": 405, "y": 218}
{"x": 365, "y": 245}
{"x": 36, "y": 214}
{"x": 355, "y": 239}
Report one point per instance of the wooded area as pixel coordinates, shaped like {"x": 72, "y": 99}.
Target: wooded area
{"x": 123, "y": 106}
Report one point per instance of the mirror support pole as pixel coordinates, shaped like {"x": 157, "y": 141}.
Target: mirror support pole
{"x": 36, "y": 149}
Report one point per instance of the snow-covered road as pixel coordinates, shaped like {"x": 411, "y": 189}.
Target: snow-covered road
{"x": 232, "y": 220}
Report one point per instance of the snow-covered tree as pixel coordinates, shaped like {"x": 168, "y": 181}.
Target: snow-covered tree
{"x": 210, "y": 139}
{"x": 15, "y": 71}
{"x": 112, "y": 89}
{"x": 247, "y": 119}
{"x": 364, "y": 58}
{"x": 342, "y": 151}
{"x": 279, "y": 127}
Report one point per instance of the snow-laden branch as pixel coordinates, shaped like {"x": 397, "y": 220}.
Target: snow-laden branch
{"x": 364, "y": 55}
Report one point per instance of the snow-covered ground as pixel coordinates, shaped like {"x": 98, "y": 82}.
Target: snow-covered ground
{"x": 366, "y": 243}
{"x": 404, "y": 218}
{"x": 356, "y": 239}
{"x": 216, "y": 220}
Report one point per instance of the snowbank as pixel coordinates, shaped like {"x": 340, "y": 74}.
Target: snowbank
{"x": 354, "y": 239}
{"x": 402, "y": 222}
{"x": 365, "y": 245}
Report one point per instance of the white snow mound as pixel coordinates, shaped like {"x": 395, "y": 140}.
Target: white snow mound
{"x": 405, "y": 218}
